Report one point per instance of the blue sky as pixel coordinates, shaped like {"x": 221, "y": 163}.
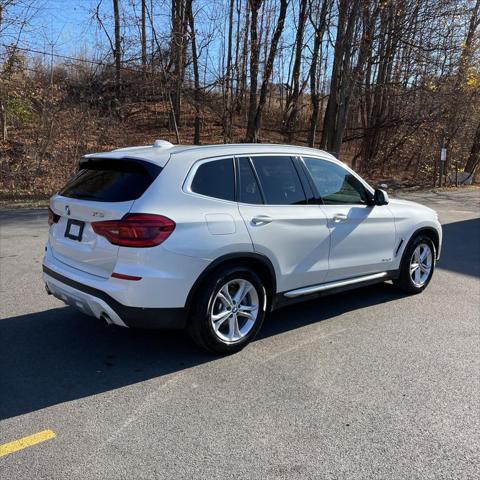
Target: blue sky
{"x": 58, "y": 21}
{"x": 68, "y": 27}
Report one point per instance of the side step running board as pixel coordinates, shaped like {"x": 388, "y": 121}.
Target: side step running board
{"x": 327, "y": 286}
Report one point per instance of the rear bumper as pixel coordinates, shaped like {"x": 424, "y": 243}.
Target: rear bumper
{"x": 96, "y": 303}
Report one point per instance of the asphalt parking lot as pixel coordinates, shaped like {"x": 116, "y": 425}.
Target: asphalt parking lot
{"x": 365, "y": 384}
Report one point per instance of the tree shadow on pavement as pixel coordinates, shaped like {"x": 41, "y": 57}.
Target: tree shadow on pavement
{"x": 60, "y": 355}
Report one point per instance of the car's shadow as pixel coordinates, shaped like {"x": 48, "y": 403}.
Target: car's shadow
{"x": 60, "y": 355}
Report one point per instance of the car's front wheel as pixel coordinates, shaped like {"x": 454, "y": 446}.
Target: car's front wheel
{"x": 418, "y": 264}
{"x": 228, "y": 310}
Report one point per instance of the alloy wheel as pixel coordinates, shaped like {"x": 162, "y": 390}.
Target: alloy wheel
{"x": 234, "y": 310}
{"x": 421, "y": 264}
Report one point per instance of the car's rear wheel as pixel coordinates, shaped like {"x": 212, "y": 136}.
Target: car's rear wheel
{"x": 228, "y": 310}
{"x": 418, "y": 264}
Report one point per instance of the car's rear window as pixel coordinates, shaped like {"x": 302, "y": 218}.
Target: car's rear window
{"x": 215, "y": 179}
{"x": 111, "y": 180}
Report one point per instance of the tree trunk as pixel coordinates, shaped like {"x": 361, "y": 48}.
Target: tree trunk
{"x": 196, "y": 75}
{"x": 178, "y": 53}
{"x": 254, "y": 56}
{"x": 344, "y": 78}
{"x": 377, "y": 102}
{"x": 243, "y": 76}
{"x": 292, "y": 107}
{"x": 474, "y": 157}
{"x": 467, "y": 50}
{"x": 252, "y": 135}
{"x": 319, "y": 25}
{"x": 337, "y": 77}
{"x": 227, "y": 114}
{"x": 144, "y": 35}
{"x": 236, "y": 61}
{"x": 117, "y": 52}
{"x": 3, "y": 121}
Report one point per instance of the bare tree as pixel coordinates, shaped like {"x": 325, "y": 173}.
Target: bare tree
{"x": 341, "y": 84}
{"x": 474, "y": 156}
{"x": 15, "y": 25}
{"x": 319, "y": 24}
{"x": 196, "y": 75}
{"x": 463, "y": 70}
{"x": 143, "y": 39}
{"x": 292, "y": 104}
{"x": 242, "y": 75}
{"x": 117, "y": 50}
{"x": 3, "y": 107}
{"x": 228, "y": 111}
{"x": 468, "y": 44}
{"x": 379, "y": 81}
{"x": 255, "y": 118}
{"x": 179, "y": 21}
{"x": 254, "y": 58}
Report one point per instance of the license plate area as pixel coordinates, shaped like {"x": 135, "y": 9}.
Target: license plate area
{"x": 74, "y": 229}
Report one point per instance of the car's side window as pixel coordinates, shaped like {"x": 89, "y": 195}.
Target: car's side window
{"x": 215, "y": 179}
{"x": 336, "y": 185}
{"x": 248, "y": 191}
{"x": 279, "y": 180}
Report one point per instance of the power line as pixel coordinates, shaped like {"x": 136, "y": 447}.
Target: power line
{"x": 93, "y": 62}
{"x": 50, "y": 54}
{"x": 66, "y": 57}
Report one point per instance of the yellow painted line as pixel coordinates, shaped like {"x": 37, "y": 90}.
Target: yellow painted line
{"x": 25, "y": 442}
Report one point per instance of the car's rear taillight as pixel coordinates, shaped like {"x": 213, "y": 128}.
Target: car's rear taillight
{"x": 52, "y": 217}
{"x": 136, "y": 230}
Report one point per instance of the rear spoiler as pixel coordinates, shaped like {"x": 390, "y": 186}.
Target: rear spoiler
{"x": 128, "y": 163}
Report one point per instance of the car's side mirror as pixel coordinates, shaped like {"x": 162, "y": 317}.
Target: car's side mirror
{"x": 380, "y": 197}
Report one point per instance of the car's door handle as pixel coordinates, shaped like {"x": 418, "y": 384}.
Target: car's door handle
{"x": 339, "y": 217}
{"x": 261, "y": 220}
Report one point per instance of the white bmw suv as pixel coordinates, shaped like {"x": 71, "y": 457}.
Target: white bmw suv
{"x": 212, "y": 238}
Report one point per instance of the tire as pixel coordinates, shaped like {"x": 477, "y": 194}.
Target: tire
{"x": 211, "y": 307}
{"x": 416, "y": 281}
